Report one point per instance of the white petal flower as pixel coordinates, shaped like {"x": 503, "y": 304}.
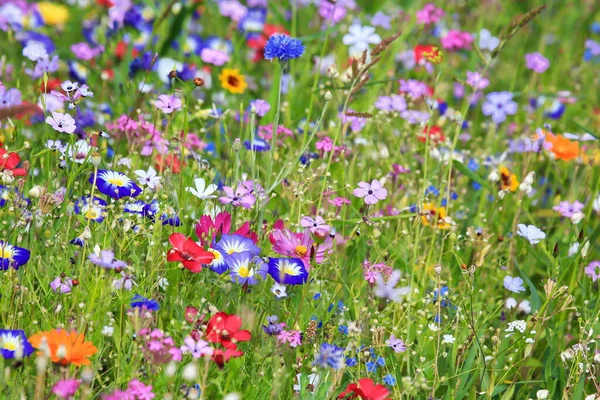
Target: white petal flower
{"x": 202, "y": 191}
{"x": 531, "y": 233}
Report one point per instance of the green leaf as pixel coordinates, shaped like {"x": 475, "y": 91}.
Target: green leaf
{"x": 586, "y": 129}
{"x": 536, "y": 302}
{"x": 472, "y": 175}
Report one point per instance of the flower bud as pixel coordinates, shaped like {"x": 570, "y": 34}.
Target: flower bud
{"x": 198, "y": 81}
{"x": 328, "y": 96}
{"x": 95, "y": 159}
{"x": 35, "y": 192}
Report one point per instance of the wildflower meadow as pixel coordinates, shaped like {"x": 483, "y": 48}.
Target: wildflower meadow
{"x": 299, "y": 199}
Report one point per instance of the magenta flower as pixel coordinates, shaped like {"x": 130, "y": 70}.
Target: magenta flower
{"x": 168, "y": 104}
{"x": 212, "y": 56}
{"x": 371, "y": 193}
{"x": 66, "y": 388}
{"x": 59, "y": 285}
{"x": 457, "y": 40}
{"x": 299, "y": 245}
{"x": 476, "y": 81}
{"x": 83, "y": 51}
{"x": 593, "y": 270}
{"x": 429, "y": 14}
{"x": 568, "y": 209}
{"x": 537, "y": 62}
{"x": 137, "y": 390}
{"x": 240, "y": 198}
{"x": 61, "y": 122}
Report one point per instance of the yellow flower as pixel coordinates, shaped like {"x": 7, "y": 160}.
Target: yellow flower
{"x": 436, "y": 217}
{"x": 509, "y": 180}
{"x": 233, "y": 81}
{"x": 52, "y": 13}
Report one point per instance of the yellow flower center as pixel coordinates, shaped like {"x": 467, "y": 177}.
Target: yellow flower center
{"x": 301, "y": 250}
{"x": 117, "y": 181}
{"x": 244, "y": 272}
{"x": 11, "y": 346}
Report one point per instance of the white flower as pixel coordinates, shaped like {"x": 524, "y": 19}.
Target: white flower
{"x": 35, "y": 51}
{"x": 573, "y": 249}
{"x": 525, "y": 307}
{"x": 148, "y": 178}
{"x": 313, "y": 381}
{"x": 531, "y": 233}
{"x": 487, "y": 41}
{"x": 448, "y": 339}
{"x": 577, "y": 217}
{"x": 542, "y": 394}
{"x": 279, "y": 290}
{"x": 202, "y": 191}
{"x": 493, "y": 176}
{"x": 596, "y": 204}
{"x": 79, "y": 152}
{"x": 433, "y": 327}
{"x": 125, "y": 161}
{"x": 163, "y": 283}
{"x": 190, "y": 372}
{"x": 359, "y": 37}
{"x": 510, "y": 303}
{"x": 108, "y": 330}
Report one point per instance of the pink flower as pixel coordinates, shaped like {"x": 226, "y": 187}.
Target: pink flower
{"x": 83, "y": 51}
{"x": 140, "y": 391}
{"x": 325, "y": 144}
{"x": 299, "y": 245}
{"x": 537, "y": 62}
{"x": 413, "y": 87}
{"x": 240, "y": 198}
{"x": 593, "y": 270}
{"x": 316, "y": 224}
{"x": 66, "y": 389}
{"x": 197, "y": 349}
{"x": 456, "y": 40}
{"x": 476, "y": 81}
{"x": 372, "y": 192}
{"x": 212, "y": 56}
{"x": 429, "y": 14}
{"x": 261, "y": 106}
{"x": 61, "y": 122}
{"x": 168, "y": 104}
{"x": 339, "y": 201}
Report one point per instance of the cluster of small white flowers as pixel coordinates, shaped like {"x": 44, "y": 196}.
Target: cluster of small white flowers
{"x": 518, "y": 325}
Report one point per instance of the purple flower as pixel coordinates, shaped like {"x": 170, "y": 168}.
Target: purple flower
{"x": 167, "y": 103}
{"x": 537, "y": 62}
{"x": 593, "y": 270}
{"x": 333, "y": 13}
{"x": 215, "y": 57}
{"x": 261, "y": 106}
{"x": 476, "y": 81}
{"x": 9, "y": 98}
{"x": 413, "y": 87}
{"x": 125, "y": 282}
{"x": 499, "y": 105}
{"x": 84, "y": 52}
{"x": 66, "y": 388}
{"x": 46, "y": 64}
{"x": 372, "y": 192}
{"x": 315, "y": 225}
{"x": 568, "y": 209}
{"x": 391, "y": 103}
{"x": 197, "y": 349}
{"x": 514, "y": 285}
{"x": 35, "y": 51}
{"x": 59, "y": 285}
{"x": 382, "y": 20}
{"x": 232, "y": 9}
{"x": 387, "y": 290}
{"x": 107, "y": 260}
{"x": 61, "y": 122}
{"x": 240, "y": 198}
{"x": 415, "y": 116}
{"x": 396, "y": 344}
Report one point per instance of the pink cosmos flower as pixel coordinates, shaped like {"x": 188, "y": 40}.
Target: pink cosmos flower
{"x": 61, "y": 122}
{"x": 429, "y": 14}
{"x": 168, "y": 104}
{"x": 240, "y": 198}
{"x": 537, "y": 62}
{"x": 212, "y": 56}
{"x": 371, "y": 193}
{"x": 299, "y": 245}
{"x": 457, "y": 40}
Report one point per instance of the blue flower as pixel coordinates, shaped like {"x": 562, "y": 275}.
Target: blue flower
{"x": 114, "y": 184}
{"x": 371, "y": 367}
{"x": 389, "y": 380}
{"x": 12, "y": 256}
{"x": 288, "y": 271}
{"x": 236, "y": 244}
{"x": 92, "y": 210}
{"x": 273, "y": 327}
{"x": 142, "y": 302}
{"x": 343, "y": 329}
{"x": 14, "y": 343}
{"x": 317, "y": 296}
{"x": 443, "y": 294}
{"x": 283, "y": 48}
{"x": 330, "y": 356}
{"x": 351, "y": 362}
{"x": 136, "y": 207}
{"x": 257, "y": 144}
{"x": 244, "y": 269}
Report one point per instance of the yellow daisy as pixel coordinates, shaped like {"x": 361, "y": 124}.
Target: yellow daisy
{"x": 233, "y": 81}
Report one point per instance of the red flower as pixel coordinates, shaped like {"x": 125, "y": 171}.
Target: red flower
{"x": 366, "y": 389}
{"x": 421, "y": 49}
{"x": 9, "y": 161}
{"x": 220, "y": 356}
{"x": 188, "y": 252}
{"x": 225, "y": 329}
{"x": 105, "y": 3}
{"x": 170, "y": 162}
{"x": 436, "y": 135}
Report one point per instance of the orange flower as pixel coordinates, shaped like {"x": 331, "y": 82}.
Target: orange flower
{"x": 508, "y": 181}
{"x": 437, "y": 217}
{"x": 562, "y": 148}
{"x": 233, "y": 81}
{"x": 65, "y": 348}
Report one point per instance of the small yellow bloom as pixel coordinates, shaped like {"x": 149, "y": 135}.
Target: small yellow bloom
{"x": 508, "y": 180}
{"x": 436, "y": 217}
{"x": 233, "y": 81}
{"x": 52, "y": 13}
{"x": 434, "y": 56}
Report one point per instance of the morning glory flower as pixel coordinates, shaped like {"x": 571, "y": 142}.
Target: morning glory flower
{"x": 514, "y": 285}
{"x": 288, "y": 271}
{"x": 14, "y": 344}
{"x": 92, "y": 210}
{"x": 12, "y": 256}
{"x": 114, "y": 184}
{"x": 283, "y": 48}
{"x": 531, "y": 233}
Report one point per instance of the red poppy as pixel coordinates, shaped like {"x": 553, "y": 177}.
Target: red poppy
{"x": 188, "y": 252}
{"x": 366, "y": 389}
{"x": 9, "y": 161}
{"x": 436, "y": 135}
{"x": 220, "y": 356}
{"x": 170, "y": 162}
{"x": 421, "y": 49}
{"x": 225, "y": 329}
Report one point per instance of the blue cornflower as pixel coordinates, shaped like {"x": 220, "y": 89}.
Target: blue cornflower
{"x": 283, "y": 48}
{"x": 330, "y": 356}
{"x": 371, "y": 367}
{"x": 380, "y": 361}
{"x": 343, "y": 329}
{"x": 142, "y": 302}
{"x": 351, "y": 362}
{"x": 389, "y": 380}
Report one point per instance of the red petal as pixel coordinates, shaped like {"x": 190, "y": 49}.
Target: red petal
{"x": 177, "y": 240}
{"x": 192, "y": 266}
{"x": 233, "y": 323}
{"x": 174, "y": 255}
{"x": 242, "y": 336}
